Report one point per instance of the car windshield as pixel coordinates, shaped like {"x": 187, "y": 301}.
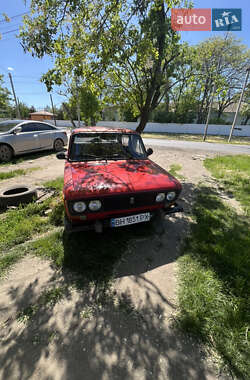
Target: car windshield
{"x": 6, "y": 126}
{"x": 108, "y": 146}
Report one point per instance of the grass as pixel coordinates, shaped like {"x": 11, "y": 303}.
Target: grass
{"x": 214, "y": 275}
{"x": 86, "y": 253}
{"x": 174, "y": 171}
{"x": 234, "y": 174}
{"x": 55, "y": 184}
{"x": 16, "y": 173}
{"x": 190, "y": 137}
{"x": 19, "y": 225}
{"x": 48, "y": 298}
{"x": 89, "y": 254}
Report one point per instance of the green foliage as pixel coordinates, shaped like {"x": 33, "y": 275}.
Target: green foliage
{"x": 220, "y": 61}
{"x": 24, "y": 110}
{"x": 56, "y": 217}
{"x": 128, "y": 113}
{"x": 55, "y": 184}
{"x": 15, "y": 173}
{"x": 88, "y": 103}
{"x": 174, "y": 169}
{"x": 125, "y": 51}
{"x": 219, "y": 121}
{"x": 234, "y": 172}
{"x": 19, "y": 225}
{"x": 5, "y": 106}
{"x": 215, "y": 280}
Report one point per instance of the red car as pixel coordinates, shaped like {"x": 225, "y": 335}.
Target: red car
{"x": 110, "y": 181}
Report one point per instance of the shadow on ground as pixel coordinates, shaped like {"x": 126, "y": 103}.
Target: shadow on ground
{"x": 27, "y": 157}
{"x": 92, "y": 332}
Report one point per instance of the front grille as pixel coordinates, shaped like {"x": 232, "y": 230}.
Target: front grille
{"x": 119, "y": 202}
{"x": 122, "y": 202}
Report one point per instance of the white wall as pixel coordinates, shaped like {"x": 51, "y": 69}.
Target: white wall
{"x": 195, "y": 129}
{"x": 181, "y": 128}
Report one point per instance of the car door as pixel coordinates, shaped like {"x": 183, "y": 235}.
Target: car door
{"x": 46, "y": 135}
{"x": 27, "y": 140}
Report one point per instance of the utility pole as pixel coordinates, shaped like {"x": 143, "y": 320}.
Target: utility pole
{"x": 213, "y": 93}
{"x": 52, "y": 105}
{"x": 209, "y": 113}
{"x": 78, "y": 110}
{"x": 240, "y": 100}
{"x": 14, "y": 94}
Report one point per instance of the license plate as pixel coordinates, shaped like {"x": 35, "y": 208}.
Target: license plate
{"x": 132, "y": 219}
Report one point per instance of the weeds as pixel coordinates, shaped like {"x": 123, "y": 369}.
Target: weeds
{"x": 47, "y": 299}
{"x": 215, "y": 280}
{"x": 15, "y": 173}
{"x": 56, "y": 184}
{"x": 234, "y": 173}
{"x": 21, "y": 224}
{"x": 174, "y": 171}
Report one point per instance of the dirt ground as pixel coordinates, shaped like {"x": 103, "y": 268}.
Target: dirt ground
{"x": 75, "y": 339}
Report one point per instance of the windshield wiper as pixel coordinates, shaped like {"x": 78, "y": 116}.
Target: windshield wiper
{"x": 115, "y": 156}
{"x": 82, "y": 157}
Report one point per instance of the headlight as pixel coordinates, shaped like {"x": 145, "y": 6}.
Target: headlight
{"x": 171, "y": 196}
{"x": 160, "y": 197}
{"x": 95, "y": 205}
{"x": 79, "y": 206}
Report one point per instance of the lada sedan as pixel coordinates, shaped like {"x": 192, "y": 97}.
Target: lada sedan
{"x": 110, "y": 181}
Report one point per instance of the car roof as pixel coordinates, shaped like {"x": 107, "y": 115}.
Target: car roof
{"x": 35, "y": 121}
{"x": 102, "y": 129}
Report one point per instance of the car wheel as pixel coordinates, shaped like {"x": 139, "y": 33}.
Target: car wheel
{"x": 58, "y": 145}
{"x": 6, "y": 153}
{"x": 16, "y": 195}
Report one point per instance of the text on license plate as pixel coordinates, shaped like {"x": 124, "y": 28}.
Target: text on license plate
{"x": 132, "y": 219}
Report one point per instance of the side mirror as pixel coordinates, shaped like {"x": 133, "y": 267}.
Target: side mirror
{"x": 17, "y": 130}
{"x": 149, "y": 151}
{"x": 61, "y": 156}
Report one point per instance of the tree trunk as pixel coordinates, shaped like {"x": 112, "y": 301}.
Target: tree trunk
{"x": 143, "y": 121}
{"x": 220, "y": 111}
{"x": 246, "y": 120}
{"x": 67, "y": 110}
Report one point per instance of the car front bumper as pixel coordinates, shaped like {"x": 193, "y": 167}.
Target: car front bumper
{"x": 99, "y": 224}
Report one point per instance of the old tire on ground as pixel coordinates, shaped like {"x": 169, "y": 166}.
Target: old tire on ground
{"x": 16, "y": 195}
{"x": 6, "y": 153}
{"x": 58, "y": 145}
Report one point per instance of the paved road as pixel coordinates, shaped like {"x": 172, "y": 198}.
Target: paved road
{"x": 199, "y": 146}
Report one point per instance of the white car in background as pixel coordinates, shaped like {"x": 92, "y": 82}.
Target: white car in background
{"x": 18, "y": 138}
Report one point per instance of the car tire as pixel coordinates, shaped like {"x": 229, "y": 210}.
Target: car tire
{"x": 16, "y": 195}
{"x": 58, "y": 145}
{"x": 6, "y": 153}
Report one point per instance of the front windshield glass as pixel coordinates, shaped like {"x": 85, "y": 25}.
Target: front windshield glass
{"x": 109, "y": 146}
{"x": 7, "y": 126}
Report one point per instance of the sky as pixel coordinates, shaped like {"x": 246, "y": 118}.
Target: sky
{"x": 26, "y": 70}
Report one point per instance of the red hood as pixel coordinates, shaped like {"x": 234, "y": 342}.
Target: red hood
{"x": 90, "y": 179}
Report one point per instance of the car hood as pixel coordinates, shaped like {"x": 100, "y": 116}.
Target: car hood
{"x": 91, "y": 179}
{"x": 4, "y": 133}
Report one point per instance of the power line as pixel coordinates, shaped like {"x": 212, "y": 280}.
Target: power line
{"x": 8, "y": 26}
{"x": 10, "y": 31}
{"x": 15, "y": 16}
{"x": 8, "y": 39}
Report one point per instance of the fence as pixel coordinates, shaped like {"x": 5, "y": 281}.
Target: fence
{"x": 195, "y": 129}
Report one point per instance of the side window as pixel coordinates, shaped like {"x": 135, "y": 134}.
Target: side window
{"x": 29, "y": 127}
{"x": 44, "y": 127}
